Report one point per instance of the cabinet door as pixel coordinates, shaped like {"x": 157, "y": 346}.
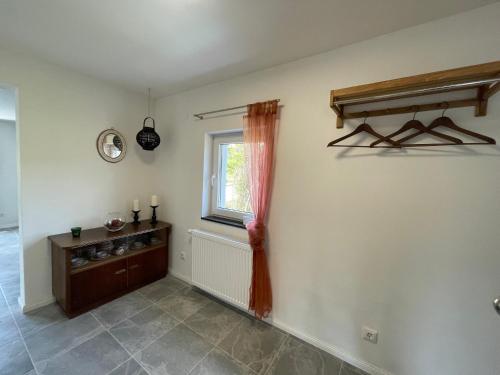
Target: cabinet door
{"x": 88, "y": 287}
{"x": 136, "y": 270}
{"x": 83, "y": 289}
{"x": 155, "y": 264}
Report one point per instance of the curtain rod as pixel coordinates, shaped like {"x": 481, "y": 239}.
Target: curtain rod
{"x": 201, "y": 115}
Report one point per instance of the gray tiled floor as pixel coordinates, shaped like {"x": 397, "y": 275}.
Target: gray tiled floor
{"x": 14, "y": 358}
{"x": 166, "y": 328}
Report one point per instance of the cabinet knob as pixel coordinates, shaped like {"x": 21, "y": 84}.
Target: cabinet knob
{"x": 496, "y": 305}
{"x": 120, "y": 271}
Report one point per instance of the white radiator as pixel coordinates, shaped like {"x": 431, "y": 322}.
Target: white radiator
{"x": 222, "y": 267}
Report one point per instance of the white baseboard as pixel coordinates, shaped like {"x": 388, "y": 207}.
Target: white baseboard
{"x": 28, "y": 308}
{"x": 8, "y": 226}
{"x": 333, "y": 350}
{"x": 179, "y": 276}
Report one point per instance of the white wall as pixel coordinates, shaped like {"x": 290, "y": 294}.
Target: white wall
{"x": 8, "y": 174}
{"x": 405, "y": 242}
{"x": 64, "y": 182}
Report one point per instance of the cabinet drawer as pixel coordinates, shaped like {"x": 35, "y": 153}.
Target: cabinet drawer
{"x": 90, "y": 286}
{"x": 147, "y": 267}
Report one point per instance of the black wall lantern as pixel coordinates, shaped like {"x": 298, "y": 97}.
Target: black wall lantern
{"x": 148, "y": 138}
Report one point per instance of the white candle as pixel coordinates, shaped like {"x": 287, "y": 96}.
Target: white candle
{"x": 154, "y": 200}
{"x": 136, "y": 204}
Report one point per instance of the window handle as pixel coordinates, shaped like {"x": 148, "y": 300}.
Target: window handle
{"x": 120, "y": 271}
{"x": 213, "y": 179}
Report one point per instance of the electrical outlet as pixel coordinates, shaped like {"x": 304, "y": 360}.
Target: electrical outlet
{"x": 183, "y": 255}
{"x": 369, "y": 334}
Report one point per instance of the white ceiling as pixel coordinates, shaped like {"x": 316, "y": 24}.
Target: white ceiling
{"x": 7, "y": 104}
{"x": 173, "y": 45}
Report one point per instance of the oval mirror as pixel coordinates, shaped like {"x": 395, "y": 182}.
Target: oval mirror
{"x": 111, "y": 145}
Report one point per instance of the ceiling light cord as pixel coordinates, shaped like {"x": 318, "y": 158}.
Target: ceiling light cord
{"x": 149, "y": 102}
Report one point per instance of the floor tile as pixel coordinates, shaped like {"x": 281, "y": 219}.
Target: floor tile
{"x": 61, "y": 336}
{"x": 348, "y": 369}
{"x": 175, "y": 353}
{"x": 4, "y": 308}
{"x": 219, "y": 363}
{"x": 131, "y": 367}
{"x": 9, "y": 259}
{"x": 213, "y": 321}
{"x": 14, "y": 360}
{"x": 11, "y": 291}
{"x": 143, "y": 328}
{"x": 120, "y": 309}
{"x": 162, "y": 288}
{"x": 299, "y": 358}
{"x": 253, "y": 343}
{"x": 33, "y": 321}
{"x": 98, "y": 355}
{"x": 8, "y": 330}
{"x": 10, "y": 269}
{"x": 184, "y": 303}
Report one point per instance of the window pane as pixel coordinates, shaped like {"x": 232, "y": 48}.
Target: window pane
{"x": 233, "y": 183}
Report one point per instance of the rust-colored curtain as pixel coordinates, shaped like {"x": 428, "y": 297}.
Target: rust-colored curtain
{"x": 259, "y": 133}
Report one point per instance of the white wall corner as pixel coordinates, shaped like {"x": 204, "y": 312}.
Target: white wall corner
{"x": 28, "y": 308}
{"x": 180, "y": 276}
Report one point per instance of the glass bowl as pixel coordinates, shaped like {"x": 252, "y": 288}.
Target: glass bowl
{"x": 115, "y": 221}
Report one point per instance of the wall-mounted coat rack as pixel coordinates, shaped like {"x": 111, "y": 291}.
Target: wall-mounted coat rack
{"x": 485, "y": 78}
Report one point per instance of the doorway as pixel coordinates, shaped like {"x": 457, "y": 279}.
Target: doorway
{"x": 9, "y": 220}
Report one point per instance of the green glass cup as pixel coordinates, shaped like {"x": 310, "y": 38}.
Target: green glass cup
{"x": 75, "y": 231}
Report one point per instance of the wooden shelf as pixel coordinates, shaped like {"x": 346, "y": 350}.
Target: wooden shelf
{"x": 115, "y": 258}
{"x": 97, "y": 235}
{"x": 485, "y": 78}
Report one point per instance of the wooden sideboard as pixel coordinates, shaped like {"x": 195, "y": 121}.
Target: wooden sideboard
{"x": 78, "y": 290}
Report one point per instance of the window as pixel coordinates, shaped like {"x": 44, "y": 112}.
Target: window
{"x": 229, "y": 190}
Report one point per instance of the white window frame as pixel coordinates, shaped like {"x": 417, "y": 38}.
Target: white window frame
{"x": 215, "y": 176}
